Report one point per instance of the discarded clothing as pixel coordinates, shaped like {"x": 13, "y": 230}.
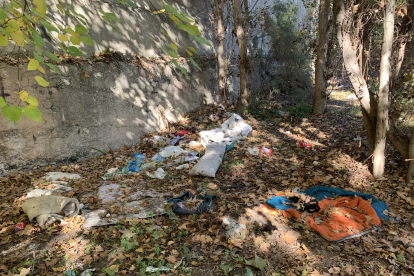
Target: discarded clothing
{"x": 233, "y": 129}
{"x": 179, "y": 206}
{"x": 348, "y": 216}
{"x": 47, "y": 209}
{"x": 211, "y": 160}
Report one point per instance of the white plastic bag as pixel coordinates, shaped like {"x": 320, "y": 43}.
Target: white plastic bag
{"x": 253, "y": 151}
{"x": 160, "y": 174}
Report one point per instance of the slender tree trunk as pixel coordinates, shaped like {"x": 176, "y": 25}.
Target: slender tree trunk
{"x": 410, "y": 172}
{"x": 220, "y": 33}
{"x": 319, "y": 103}
{"x": 244, "y": 97}
{"x": 354, "y": 71}
{"x": 383, "y": 106}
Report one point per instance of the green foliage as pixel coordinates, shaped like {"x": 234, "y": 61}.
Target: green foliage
{"x": 20, "y": 20}
{"x": 300, "y": 110}
{"x": 289, "y": 50}
{"x": 261, "y": 109}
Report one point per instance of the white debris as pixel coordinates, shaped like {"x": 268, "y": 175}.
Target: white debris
{"x": 160, "y": 140}
{"x": 183, "y": 166}
{"x": 233, "y": 129}
{"x": 352, "y": 97}
{"x": 234, "y": 229}
{"x": 222, "y": 107}
{"x": 55, "y": 186}
{"x": 211, "y": 160}
{"x": 112, "y": 170}
{"x": 54, "y": 176}
{"x": 160, "y": 174}
{"x": 194, "y": 144}
{"x": 253, "y": 151}
{"x": 172, "y": 151}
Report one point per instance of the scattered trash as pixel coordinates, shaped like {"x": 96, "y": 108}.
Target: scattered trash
{"x": 191, "y": 156}
{"x": 69, "y": 272}
{"x": 315, "y": 163}
{"x": 193, "y": 130}
{"x": 49, "y": 189}
{"x": 282, "y": 113}
{"x": 234, "y": 229}
{"x": 112, "y": 170}
{"x": 88, "y": 272}
{"x": 55, "y": 176}
{"x": 19, "y": 227}
{"x": 222, "y": 107}
{"x": 287, "y": 132}
{"x": 265, "y": 150}
{"x": 152, "y": 269}
{"x": 157, "y": 158}
{"x": 194, "y": 144}
{"x": 188, "y": 203}
{"x": 303, "y": 144}
{"x": 184, "y": 166}
{"x": 113, "y": 193}
{"x": 171, "y": 151}
{"x": 175, "y": 140}
{"x": 231, "y": 146}
{"x": 46, "y": 209}
{"x": 253, "y": 151}
{"x": 160, "y": 174}
{"x": 139, "y": 209}
{"x": 160, "y": 140}
{"x": 233, "y": 129}
{"x": 211, "y": 160}
{"x": 181, "y": 133}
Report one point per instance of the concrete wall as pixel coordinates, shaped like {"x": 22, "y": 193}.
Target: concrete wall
{"x": 114, "y": 105}
{"x": 103, "y": 105}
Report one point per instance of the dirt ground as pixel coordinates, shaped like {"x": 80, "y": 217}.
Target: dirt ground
{"x": 197, "y": 244}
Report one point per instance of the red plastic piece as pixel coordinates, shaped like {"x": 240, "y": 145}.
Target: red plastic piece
{"x": 20, "y": 226}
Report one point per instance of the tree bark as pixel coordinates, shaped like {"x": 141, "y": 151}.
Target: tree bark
{"x": 319, "y": 104}
{"x": 384, "y": 85}
{"x": 244, "y": 96}
{"x": 410, "y": 172}
{"x": 220, "y": 33}
{"x": 353, "y": 69}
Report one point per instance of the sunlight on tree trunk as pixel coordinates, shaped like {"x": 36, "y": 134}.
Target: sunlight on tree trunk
{"x": 383, "y": 106}
{"x": 220, "y": 33}
{"x": 244, "y": 97}
{"x": 410, "y": 172}
{"x": 319, "y": 104}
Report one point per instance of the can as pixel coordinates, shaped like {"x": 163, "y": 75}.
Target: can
{"x": 20, "y": 226}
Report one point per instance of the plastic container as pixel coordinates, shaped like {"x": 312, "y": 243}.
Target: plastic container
{"x": 175, "y": 140}
{"x": 19, "y": 227}
{"x": 265, "y": 150}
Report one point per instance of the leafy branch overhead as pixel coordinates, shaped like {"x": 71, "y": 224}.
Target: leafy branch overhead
{"x": 21, "y": 20}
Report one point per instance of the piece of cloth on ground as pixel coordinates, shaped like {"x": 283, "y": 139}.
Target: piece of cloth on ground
{"x": 47, "y": 209}
{"x": 348, "y": 216}
{"x": 233, "y": 129}
{"x": 211, "y": 160}
{"x": 179, "y": 205}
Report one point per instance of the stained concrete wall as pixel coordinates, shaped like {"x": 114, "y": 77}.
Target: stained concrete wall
{"x": 114, "y": 105}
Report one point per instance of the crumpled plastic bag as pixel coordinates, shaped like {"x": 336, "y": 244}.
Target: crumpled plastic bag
{"x": 160, "y": 174}
{"x": 171, "y": 151}
{"x": 47, "y": 209}
{"x": 253, "y": 151}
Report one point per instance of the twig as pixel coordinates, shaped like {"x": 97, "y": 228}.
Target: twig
{"x": 412, "y": 159}
{"x": 368, "y": 158}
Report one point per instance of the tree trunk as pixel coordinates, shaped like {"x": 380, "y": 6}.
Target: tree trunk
{"x": 220, "y": 33}
{"x": 353, "y": 69}
{"x": 319, "y": 103}
{"x": 244, "y": 96}
{"x": 383, "y": 106}
{"x": 410, "y": 172}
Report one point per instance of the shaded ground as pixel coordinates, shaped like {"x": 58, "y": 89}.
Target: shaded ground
{"x": 199, "y": 243}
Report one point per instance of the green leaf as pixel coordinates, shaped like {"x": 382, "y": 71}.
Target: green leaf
{"x": 74, "y": 52}
{"x": 183, "y": 18}
{"x": 189, "y": 53}
{"x": 227, "y": 268}
{"x": 132, "y": 4}
{"x": 28, "y": 16}
{"x": 80, "y": 29}
{"x": 52, "y": 56}
{"x": 70, "y": 31}
{"x": 195, "y": 64}
{"x": 4, "y": 40}
{"x": 3, "y": 14}
{"x": 169, "y": 8}
{"x": 32, "y": 101}
{"x": 193, "y": 50}
{"x": 121, "y": 2}
{"x": 173, "y": 46}
{"x": 54, "y": 68}
{"x": 40, "y": 6}
{"x": 18, "y": 37}
{"x": 38, "y": 40}
{"x": 2, "y": 102}
{"x": 87, "y": 40}
{"x": 60, "y": 8}
{"x": 202, "y": 40}
{"x": 179, "y": 67}
{"x": 38, "y": 57}
{"x": 249, "y": 272}
{"x": 13, "y": 113}
{"x": 48, "y": 27}
{"x": 13, "y": 25}
{"x": 186, "y": 28}
{"x": 171, "y": 53}
{"x": 75, "y": 40}
{"x": 164, "y": 33}
{"x": 401, "y": 258}
{"x": 33, "y": 64}
{"x": 41, "y": 81}
{"x": 195, "y": 29}
{"x": 257, "y": 262}
{"x": 33, "y": 113}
